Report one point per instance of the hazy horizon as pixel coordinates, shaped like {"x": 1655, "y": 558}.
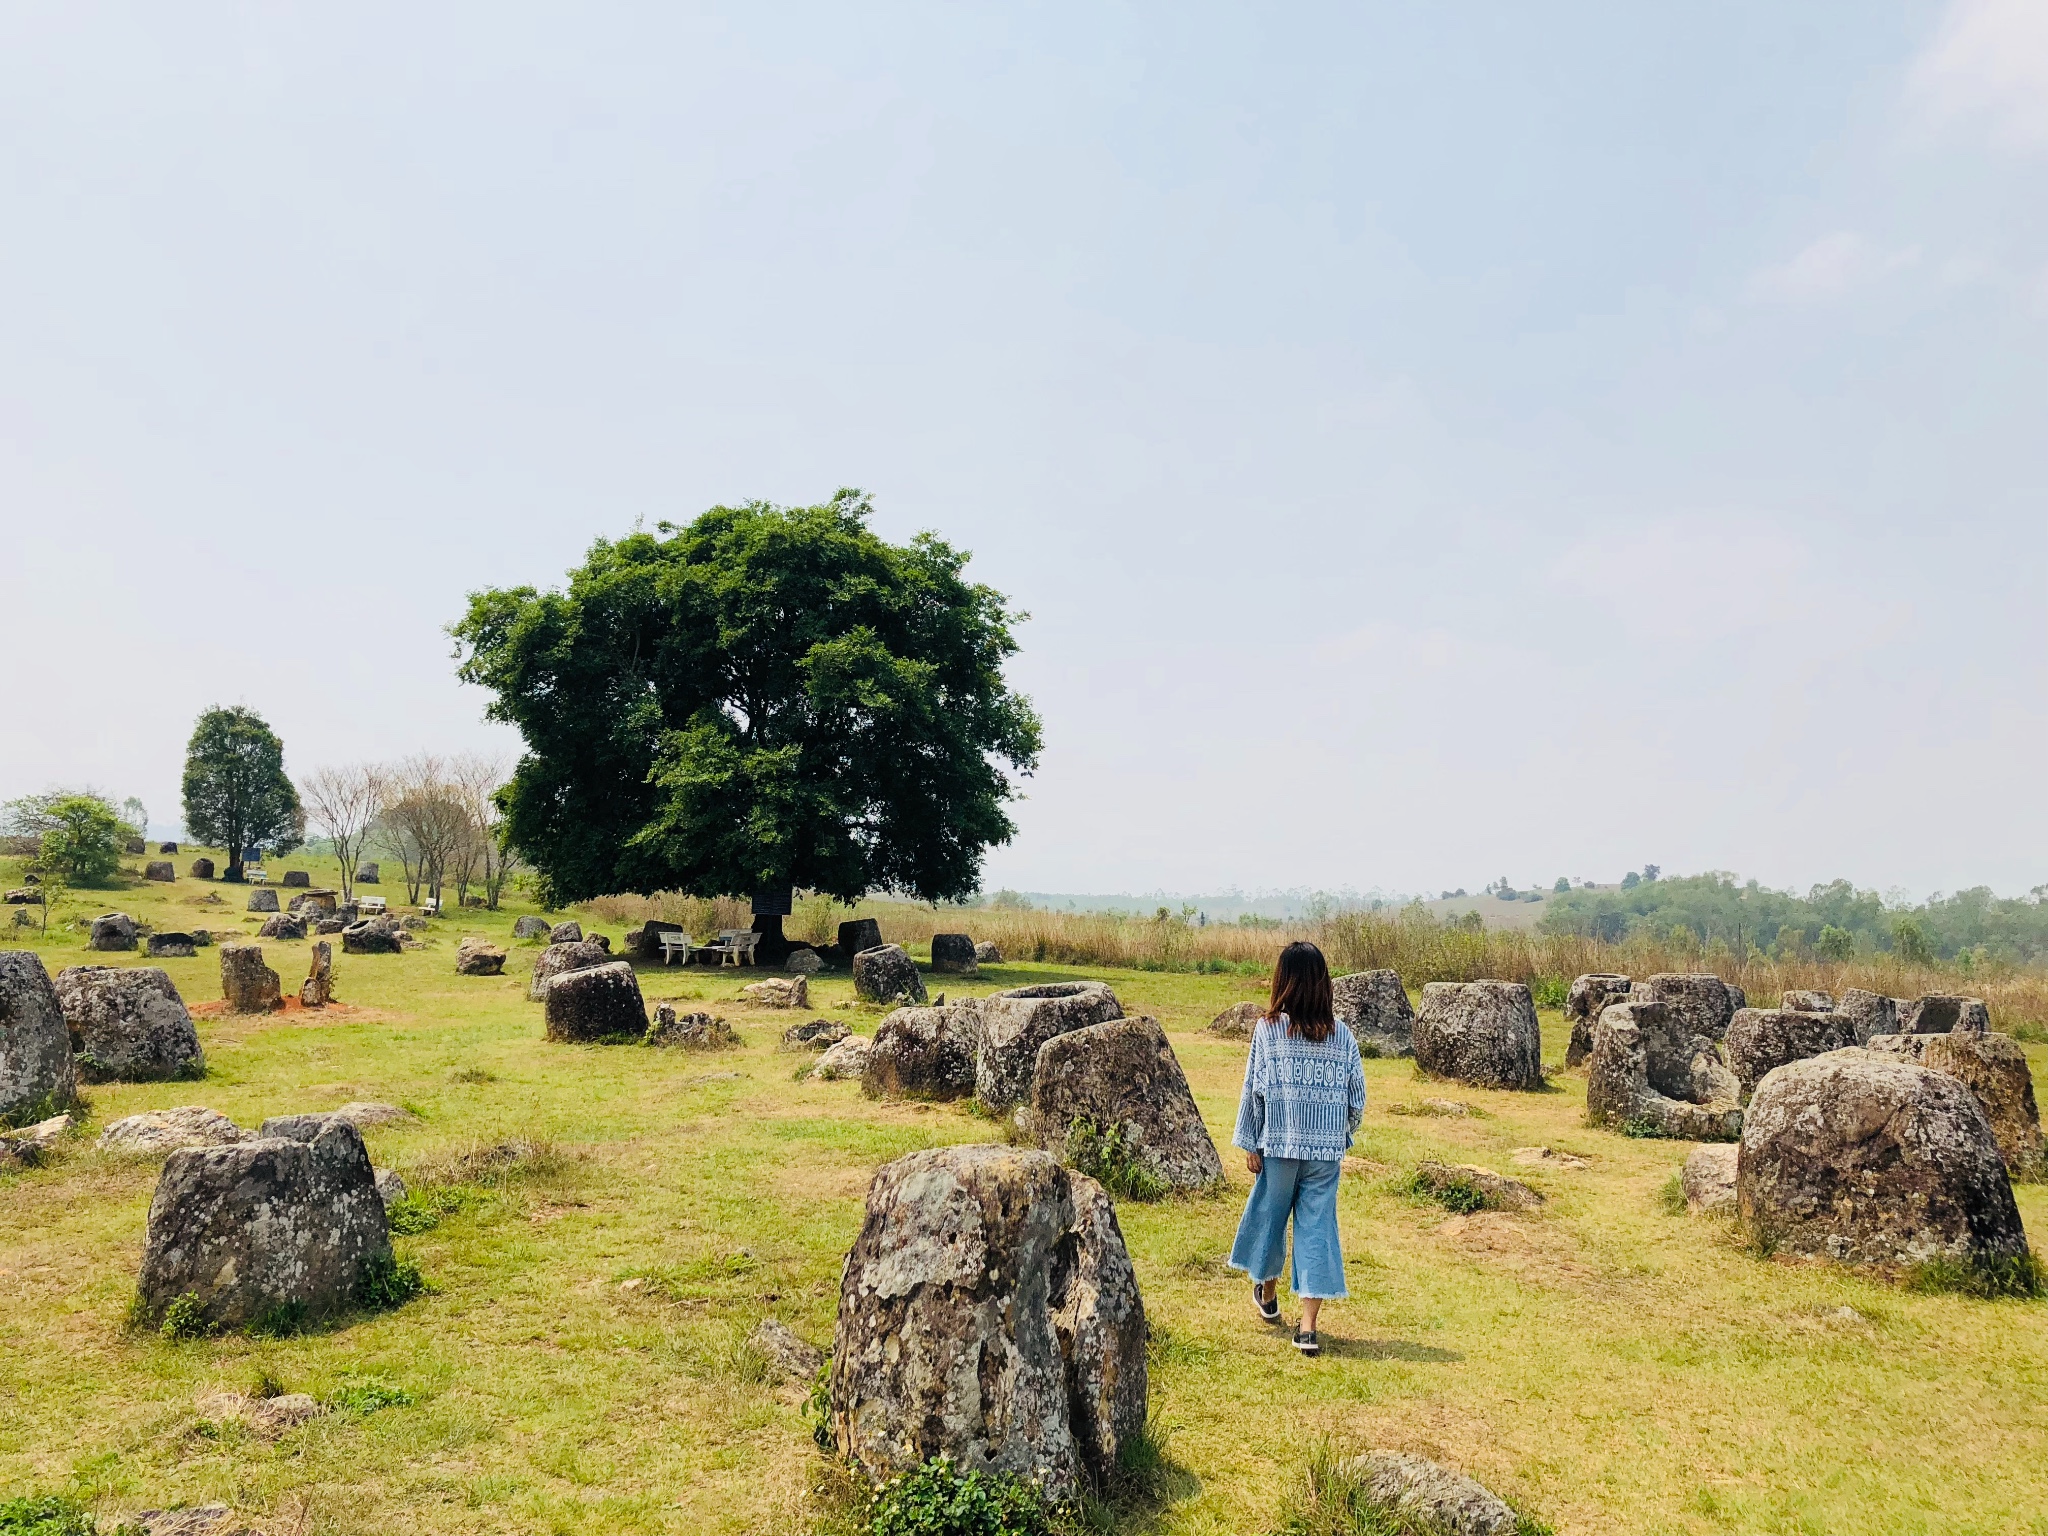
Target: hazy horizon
{"x": 1431, "y": 445}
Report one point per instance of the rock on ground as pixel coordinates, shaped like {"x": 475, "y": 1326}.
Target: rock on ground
{"x": 779, "y": 992}
{"x": 204, "y": 1520}
{"x": 1870, "y": 1159}
{"x": 1124, "y": 1073}
{"x": 246, "y": 983}
{"x": 159, "y": 869}
{"x": 297, "y": 879}
{"x": 114, "y": 932}
{"x": 1447, "y": 1501}
{"x": 1868, "y": 1014}
{"x": 1700, "y": 1004}
{"x": 280, "y": 925}
{"x": 1583, "y": 1004}
{"x": 1621, "y": 1093}
{"x": 643, "y": 942}
{"x": 1480, "y": 1032}
{"x": 128, "y": 1025}
{"x": 1808, "y": 1001}
{"x": 390, "y": 1187}
{"x": 988, "y": 1312}
{"x": 269, "y": 1417}
{"x": 166, "y": 1130}
{"x": 202, "y": 869}
{"x": 267, "y": 1224}
{"x": 986, "y": 953}
{"x": 530, "y": 927}
{"x": 803, "y": 962}
{"x": 373, "y": 936}
{"x": 171, "y": 946}
{"x": 36, "y": 1069}
{"x": 923, "y": 1053}
{"x": 1995, "y": 1069}
{"x": 478, "y": 957}
{"x": 1761, "y": 1039}
{"x": 263, "y": 899}
{"x": 368, "y": 874}
{"x": 953, "y": 955}
{"x": 1500, "y": 1192}
{"x": 886, "y": 974}
{"x": 1238, "y": 1020}
{"x": 570, "y": 932}
{"x": 28, "y": 1145}
{"x": 847, "y": 1059}
{"x": 855, "y": 935}
{"x": 560, "y": 959}
{"x": 598, "y": 1002}
{"x": 1708, "y": 1177}
{"x": 688, "y": 1031}
{"x": 1375, "y": 1005}
{"x": 814, "y": 1035}
{"x": 317, "y": 990}
{"x": 1939, "y": 1013}
{"x": 788, "y": 1357}
{"x": 1017, "y": 1022}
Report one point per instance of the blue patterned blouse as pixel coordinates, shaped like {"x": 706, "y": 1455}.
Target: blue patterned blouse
{"x": 1301, "y": 1099}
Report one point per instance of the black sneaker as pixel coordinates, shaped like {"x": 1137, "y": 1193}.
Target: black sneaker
{"x": 1268, "y": 1310}
{"x": 1306, "y": 1342}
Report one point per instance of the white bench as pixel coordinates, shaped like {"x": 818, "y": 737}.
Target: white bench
{"x": 431, "y": 907}
{"x": 673, "y": 944}
{"x": 735, "y": 946}
{"x": 372, "y": 904}
{"x": 256, "y": 874}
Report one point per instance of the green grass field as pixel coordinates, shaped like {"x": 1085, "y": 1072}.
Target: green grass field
{"x": 580, "y": 1364}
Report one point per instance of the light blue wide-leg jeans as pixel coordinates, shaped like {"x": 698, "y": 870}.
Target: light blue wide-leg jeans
{"x": 1306, "y": 1190}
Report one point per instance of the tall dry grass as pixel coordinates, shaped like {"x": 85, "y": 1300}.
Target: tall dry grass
{"x": 1421, "y": 948}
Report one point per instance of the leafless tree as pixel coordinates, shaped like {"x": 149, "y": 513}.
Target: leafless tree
{"x": 344, "y": 803}
{"x": 424, "y": 825}
{"x": 486, "y": 860}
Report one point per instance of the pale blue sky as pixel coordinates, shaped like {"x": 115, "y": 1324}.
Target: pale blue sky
{"x": 1433, "y": 442}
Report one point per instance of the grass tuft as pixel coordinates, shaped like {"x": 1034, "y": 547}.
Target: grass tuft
{"x": 2021, "y": 1278}
{"x": 1671, "y": 1197}
{"x": 185, "y": 1318}
{"x": 1458, "y": 1195}
{"x": 368, "y": 1395}
{"x": 388, "y": 1282}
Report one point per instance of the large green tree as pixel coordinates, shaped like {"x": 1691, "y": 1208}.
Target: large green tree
{"x": 79, "y": 835}
{"x": 236, "y": 792}
{"x": 769, "y": 697}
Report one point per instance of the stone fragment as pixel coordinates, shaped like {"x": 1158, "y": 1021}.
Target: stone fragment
{"x": 1499, "y": 1192}
{"x": 848, "y": 1059}
{"x": 263, "y": 899}
{"x": 267, "y": 1225}
{"x": 1868, "y": 1014}
{"x": 1761, "y": 1039}
{"x": 1375, "y": 1005}
{"x": 296, "y": 879}
{"x": 128, "y": 1025}
{"x": 814, "y": 1035}
{"x": 569, "y": 932}
{"x": 167, "y": 848}
{"x": 987, "y": 953}
{"x": 1865, "y": 1158}
{"x": 203, "y": 1520}
{"x": 317, "y": 990}
{"x": 779, "y": 992}
{"x": 311, "y": 902}
{"x": 953, "y": 955}
{"x": 1640, "y": 1036}
{"x": 1546, "y": 1157}
{"x": 688, "y": 1031}
{"x": 1017, "y": 1022}
{"x": 246, "y": 983}
{"x": 788, "y": 1357}
{"x": 476, "y": 957}
{"x": 988, "y": 1313}
{"x": 202, "y": 869}
{"x": 1938, "y": 1013}
{"x": 1708, "y": 1177}
{"x": 1808, "y": 1001}
{"x": 1700, "y": 1004}
{"x": 598, "y": 1002}
{"x": 1995, "y": 1069}
{"x": 134, "y": 845}
{"x": 1431, "y": 1497}
{"x": 24, "y": 896}
{"x": 28, "y": 1146}
{"x": 803, "y": 962}
{"x": 886, "y": 974}
{"x": 367, "y": 874}
{"x": 373, "y": 936}
{"x": 171, "y": 946}
{"x": 923, "y": 1053}
{"x": 1238, "y": 1021}
{"x": 270, "y": 1417}
{"x": 166, "y": 1130}
{"x": 1480, "y": 1032}
{"x": 1583, "y": 1004}
{"x": 159, "y": 869}
{"x": 282, "y": 925}
{"x": 559, "y": 959}
{"x": 530, "y": 927}
{"x": 115, "y": 931}
{"x": 390, "y": 1187}
{"x": 1124, "y": 1074}
{"x": 855, "y": 935}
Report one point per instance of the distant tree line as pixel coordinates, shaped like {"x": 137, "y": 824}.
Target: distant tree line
{"x": 1831, "y": 922}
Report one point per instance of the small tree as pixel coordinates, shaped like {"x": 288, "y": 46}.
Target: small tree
{"x": 424, "y": 825}
{"x": 78, "y": 835}
{"x": 344, "y": 804}
{"x": 136, "y": 814}
{"x": 236, "y": 792}
{"x": 1563, "y": 884}
{"x": 1835, "y": 943}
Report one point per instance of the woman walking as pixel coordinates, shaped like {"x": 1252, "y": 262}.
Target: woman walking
{"x": 1304, "y": 1094}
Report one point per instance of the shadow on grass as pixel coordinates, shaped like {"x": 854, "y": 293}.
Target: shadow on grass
{"x": 1389, "y": 1349}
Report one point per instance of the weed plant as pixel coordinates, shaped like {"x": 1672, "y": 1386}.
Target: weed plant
{"x": 51, "y": 1515}
{"x": 2015, "y": 1279}
{"x": 1106, "y": 1156}
{"x": 937, "y": 1499}
{"x": 1458, "y": 1194}
{"x": 1330, "y": 1498}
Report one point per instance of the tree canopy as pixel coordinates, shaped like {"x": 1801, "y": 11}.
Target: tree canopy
{"x": 768, "y": 697}
{"x": 236, "y": 792}
{"x": 78, "y": 832}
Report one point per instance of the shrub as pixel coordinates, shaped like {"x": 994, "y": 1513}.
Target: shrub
{"x": 938, "y": 1500}
{"x": 388, "y": 1282}
{"x": 1106, "y": 1156}
{"x": 1458, "y": 1195}
{"x": 51, "y": 1515}
{"x": 185, "y": 1318}
{"x": 368, "y": 1395}
{"x": 2019, "y": 1279}
{"x": 1549, "y": 991}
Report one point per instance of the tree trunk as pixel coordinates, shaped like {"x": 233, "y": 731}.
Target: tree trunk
{"x": 770, "y": 907}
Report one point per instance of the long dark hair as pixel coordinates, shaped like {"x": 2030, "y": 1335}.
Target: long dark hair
{"x": 1301, "y": 990}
